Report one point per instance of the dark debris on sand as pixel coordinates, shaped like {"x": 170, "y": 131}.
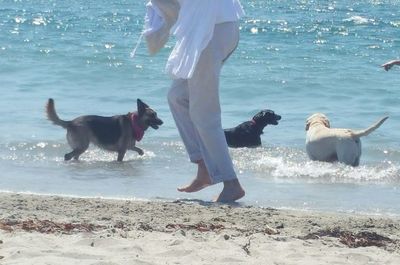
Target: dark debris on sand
{"x": 352, "y": 240}
{"x": 201, "y": 227}
{"x": 46, "y": 226}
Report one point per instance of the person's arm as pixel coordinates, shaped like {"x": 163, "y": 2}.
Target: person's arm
{"x": 389, "y": 64}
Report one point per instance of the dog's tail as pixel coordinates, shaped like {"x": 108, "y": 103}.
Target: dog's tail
{"x": 370, "y": 129}
{"x": 52, "y": 115}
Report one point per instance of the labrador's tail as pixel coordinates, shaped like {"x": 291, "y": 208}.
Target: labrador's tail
{"x": 370, "y": 129}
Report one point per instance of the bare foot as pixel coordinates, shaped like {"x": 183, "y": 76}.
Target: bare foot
{"x": 201, "y": 181}
{"x": 231, "y": 192}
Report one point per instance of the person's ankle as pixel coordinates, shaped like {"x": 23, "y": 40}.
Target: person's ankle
{"x": 231, "y": 192}
{"x": 232, "y": 183}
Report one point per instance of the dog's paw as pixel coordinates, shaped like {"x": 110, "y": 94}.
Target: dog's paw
{"x": 140, "y": 152}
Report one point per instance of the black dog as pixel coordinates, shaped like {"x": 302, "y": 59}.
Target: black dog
{"x": 247, "y": 134}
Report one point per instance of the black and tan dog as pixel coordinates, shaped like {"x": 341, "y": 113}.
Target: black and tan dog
{"x": 247, "y": 134}
{"x": 117, "y": 133}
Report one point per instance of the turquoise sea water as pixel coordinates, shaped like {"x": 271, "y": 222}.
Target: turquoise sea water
{"x": 295, "y": 57}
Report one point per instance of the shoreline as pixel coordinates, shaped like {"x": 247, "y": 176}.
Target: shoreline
{"x": 41, "y": 229}
{"x": 194, "y": 200}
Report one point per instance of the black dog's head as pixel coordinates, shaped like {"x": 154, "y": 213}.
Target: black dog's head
{"x": 265, "y": 117}
{"x": 147, "y": 116}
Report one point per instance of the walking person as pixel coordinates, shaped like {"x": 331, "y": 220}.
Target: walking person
{"x": 207, "y": 33}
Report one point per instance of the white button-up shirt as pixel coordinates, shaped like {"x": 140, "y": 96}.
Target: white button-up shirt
{"x": 194, "y": 30}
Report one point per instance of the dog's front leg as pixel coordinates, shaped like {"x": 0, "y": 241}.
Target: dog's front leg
{"x": 121, "y": 155}
{"x": 138, "y": 150}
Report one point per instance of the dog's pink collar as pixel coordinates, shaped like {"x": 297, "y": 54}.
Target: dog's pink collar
{"x": 253, "y": 121}
{"x": 138, "y": 131}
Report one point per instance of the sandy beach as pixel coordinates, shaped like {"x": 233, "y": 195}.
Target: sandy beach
{"x": 63, "y": 230}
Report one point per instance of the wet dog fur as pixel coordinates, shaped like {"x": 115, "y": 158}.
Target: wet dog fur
{"x": 247, "y": 134}
{"x": 117, "y": 133}
{"x": 327, "y": 144}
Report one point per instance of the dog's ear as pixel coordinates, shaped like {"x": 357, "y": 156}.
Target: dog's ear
{"x": 259, "y": 115}
{"x": 141, "y": 107}
{"x": 326, "y": 122}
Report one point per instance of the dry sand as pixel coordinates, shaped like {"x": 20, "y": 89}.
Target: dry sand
{"x": 61, "y": 230}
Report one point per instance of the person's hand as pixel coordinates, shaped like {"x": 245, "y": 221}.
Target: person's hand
{"x": 389, "y": 65}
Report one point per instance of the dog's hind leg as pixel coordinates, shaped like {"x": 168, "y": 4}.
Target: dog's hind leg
{"x": 356, "y": 162}
{"x": 69, "y": 156}
{"x": 79, "y": 143}
{"x": 74, "y": 154}
{"x": 348, "y": 152}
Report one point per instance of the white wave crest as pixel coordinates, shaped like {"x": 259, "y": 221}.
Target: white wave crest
{"x": 359, "y": 20}
{"x": 293, "y": 164}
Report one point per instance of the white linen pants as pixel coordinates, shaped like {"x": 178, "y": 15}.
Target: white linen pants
{"x": 195, "y": 105}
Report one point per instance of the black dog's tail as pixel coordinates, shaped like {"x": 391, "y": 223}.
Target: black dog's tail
{"x": 52, "y": 115}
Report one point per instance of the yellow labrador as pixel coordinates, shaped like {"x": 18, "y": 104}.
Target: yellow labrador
{"x": 324, "y": 143}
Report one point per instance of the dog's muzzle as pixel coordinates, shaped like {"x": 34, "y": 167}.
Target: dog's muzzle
{"x": 277, "y": 118}
{"x": 156, "y": 124}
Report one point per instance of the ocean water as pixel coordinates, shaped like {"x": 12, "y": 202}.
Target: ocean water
{"x": 295, "y": 57}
